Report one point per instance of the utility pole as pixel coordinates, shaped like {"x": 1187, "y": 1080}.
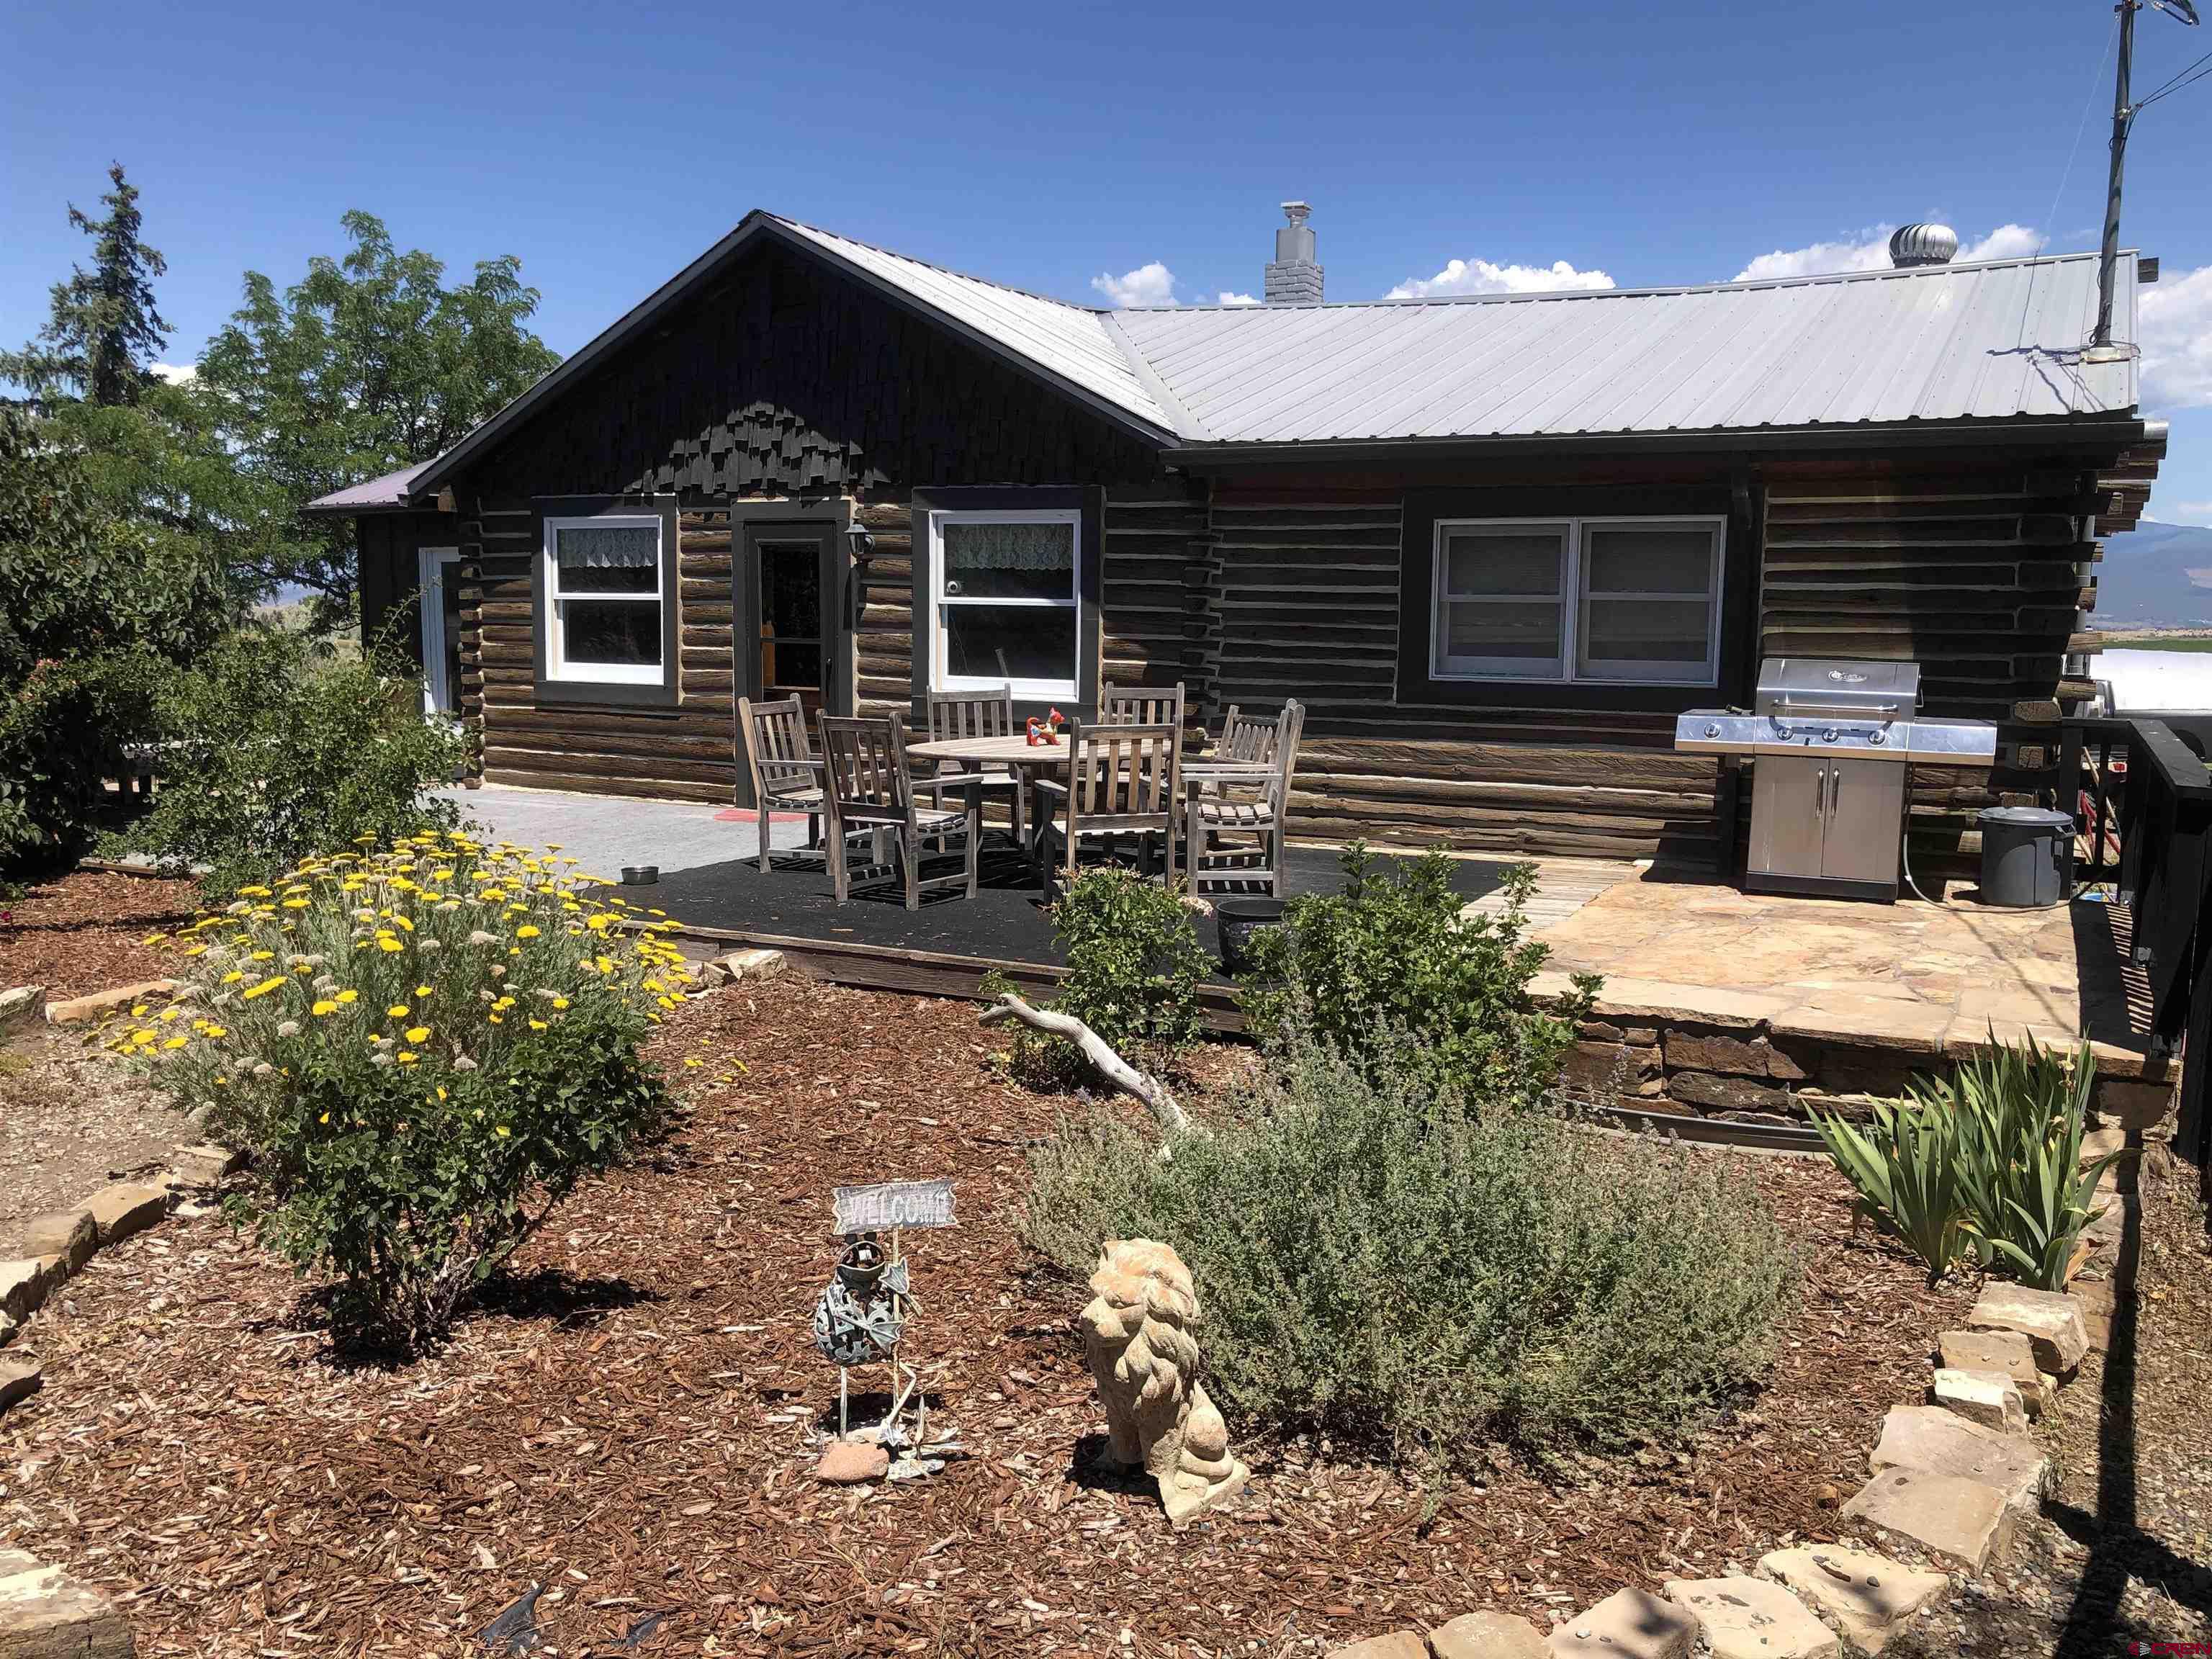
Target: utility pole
{"x": 2122, "y": 118}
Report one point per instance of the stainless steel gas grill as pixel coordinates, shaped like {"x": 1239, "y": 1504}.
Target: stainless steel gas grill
{"x": 1832, "y": 743}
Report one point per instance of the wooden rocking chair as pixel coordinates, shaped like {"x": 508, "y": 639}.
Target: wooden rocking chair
{"x": 870, "y": 788}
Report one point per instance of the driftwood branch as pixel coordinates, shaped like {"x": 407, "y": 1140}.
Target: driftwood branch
{"x": 1095, "y": 1049}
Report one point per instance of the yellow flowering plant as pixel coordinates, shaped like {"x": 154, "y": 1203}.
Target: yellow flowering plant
{"x": 425, "y": 1048}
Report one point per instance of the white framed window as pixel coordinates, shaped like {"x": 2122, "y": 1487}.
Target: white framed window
{"x": 1006, "y": 602}
{"x": 606, "y": 582}
{"x": 1623, "y": 600}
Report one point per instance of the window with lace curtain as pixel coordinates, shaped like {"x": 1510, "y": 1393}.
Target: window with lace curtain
{"x": 1005, "y": 607}
{"x": 605, "y": 588}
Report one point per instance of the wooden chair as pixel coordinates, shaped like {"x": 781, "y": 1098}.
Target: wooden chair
{"x": 1237, "y": 803}
{"x": 1141, "y": 705}
{"x": 976, "y": 714}
{"x": 870, "y": 788}
{"x": 1121, "y": 779}
{"x": 786, "y": 777}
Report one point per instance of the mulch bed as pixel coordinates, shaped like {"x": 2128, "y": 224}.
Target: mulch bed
{"x": 82, "y": 933}
{"x": 629, "y": 1421}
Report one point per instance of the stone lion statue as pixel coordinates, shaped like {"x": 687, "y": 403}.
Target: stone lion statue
{"x": 1137, "y": 1330}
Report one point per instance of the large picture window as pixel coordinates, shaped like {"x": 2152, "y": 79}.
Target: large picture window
{"x": 605, "y": 591}
{"x": 1618, "y": 600}
{"x": 1005, "y": 605}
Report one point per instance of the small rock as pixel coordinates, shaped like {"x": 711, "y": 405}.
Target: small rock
{"x": 2049, "y": 1320}
{"x": 755, "y": 964}
{"x": 1750, "y": 1618}
{"x": 1630, "y": 1624}
{"x": 21, "y": 1008}
{"x": 75, "y": 1010}
{"x": 1488, "y": 1634}
{"x": 126, "y": 1208}
{"x": 1398, "y": 1644}
{"x": 848, "y": 1462}
{"x": 26, "y": 1284}
{"x": 71, "y": 1234}
{"x": 20, "y": 1376}
{"x": 1987, "y": 1398}
{"x": 1936, "y": 1442}
{"x": 44, "y": 1611}
{"x": 2006, "y": 1352}
{"x": 202, "y": 1165}
{"x": 1963, "y": 1520}
{"x": 1869, "y": 1596}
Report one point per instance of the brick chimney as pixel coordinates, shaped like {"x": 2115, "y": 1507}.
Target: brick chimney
{"x": 1294, "y": 279}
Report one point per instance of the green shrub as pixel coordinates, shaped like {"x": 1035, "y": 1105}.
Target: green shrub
{"x": 1391, "y": 973}
{"x": 1985, "y": 1162}
{"x": 277, "y": 747}
{"x": 424, "y": 1050}
{"x": 1375, "y": 1259}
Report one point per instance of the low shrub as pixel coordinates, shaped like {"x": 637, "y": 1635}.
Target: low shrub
{"x": 1390, "y": 972}
{"x": 276, "y": 746}
{"x": 425, "y": 1049}
{"x": 1134, "y": 968}
{"x": 1377, "y": 1260}
{"x": 1985, "y": 1164}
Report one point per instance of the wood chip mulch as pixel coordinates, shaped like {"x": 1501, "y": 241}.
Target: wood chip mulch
{"x": 630, "y": 1423}
{"x": 81, "y": 933}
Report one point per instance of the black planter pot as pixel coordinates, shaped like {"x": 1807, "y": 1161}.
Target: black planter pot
{"x": 1236, "y": 919}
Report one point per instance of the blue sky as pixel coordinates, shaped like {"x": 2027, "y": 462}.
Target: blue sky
{"x": 1050, "y": 147}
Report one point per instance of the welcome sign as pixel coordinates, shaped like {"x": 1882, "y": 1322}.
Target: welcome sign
{"x": 889, "y": 1204}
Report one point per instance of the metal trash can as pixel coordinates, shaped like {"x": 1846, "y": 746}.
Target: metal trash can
{"x": 2027, "y": 856}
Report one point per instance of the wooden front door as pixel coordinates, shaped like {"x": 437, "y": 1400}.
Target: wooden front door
{"x": 786, "y": 612}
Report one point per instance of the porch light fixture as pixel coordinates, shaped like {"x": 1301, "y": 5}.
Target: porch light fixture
{"x": 861, "y": 542}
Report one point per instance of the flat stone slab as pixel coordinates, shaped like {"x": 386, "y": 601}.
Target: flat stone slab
{"x": 46, "y": 1614}
{"x": 1909, "y": 1026}
{"x": 1932, "y": 1441}
{"x": 1630, "y": 1624}
{"x": 71, "y": 1234}
{"x": 1989, "y": 1398}
{"x": 75, "y": 1010}
{"x": 1871, "y": 1597}
{"x": 1751, "y": 1619}
{"x": 126, "y": 1208}
{"x": 22, "y": 1006}
{"x": 25, "y": 1282}
{"x": 2006, "y": 1352}
{"x": 1395, "y": 1645}
{"x": 1962, "y": 1521}
{"x": 1488, "y": 1634}
{"x": 202, "y": 1166}
{"x": 20, "y": 1376}
{"x": 2049, "y": 1320}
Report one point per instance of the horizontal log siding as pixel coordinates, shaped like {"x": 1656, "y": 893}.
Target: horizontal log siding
{"x": 686, "y": 753}
{"x": 883, "y": 641}
{"x": 1976, "y": 575}
{"x": 1156, "y": 591}
{"x": 1305, "y": 605}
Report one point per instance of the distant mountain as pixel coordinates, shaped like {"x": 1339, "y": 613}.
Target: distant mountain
{"x": 2156, "y": 575}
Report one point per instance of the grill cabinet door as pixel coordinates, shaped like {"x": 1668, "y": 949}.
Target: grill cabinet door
{"x": 1866, "y": 802}
{"x": 1787, "y": 813}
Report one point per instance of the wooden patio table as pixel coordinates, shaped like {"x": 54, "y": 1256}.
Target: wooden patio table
{"x": 1015, "y": 750}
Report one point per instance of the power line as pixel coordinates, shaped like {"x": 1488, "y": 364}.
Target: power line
{"x": 2203, "y": 66}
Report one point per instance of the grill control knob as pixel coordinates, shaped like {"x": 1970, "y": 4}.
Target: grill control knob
{"x": 1829, "y": 735}
{"x": 1713, "y": 730}
{"x": 1878, "y": 736}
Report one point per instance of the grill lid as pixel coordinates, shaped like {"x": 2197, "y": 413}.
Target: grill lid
{"x": 1842, "y": 686}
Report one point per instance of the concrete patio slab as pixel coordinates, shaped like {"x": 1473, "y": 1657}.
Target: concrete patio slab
{"x": 605, "y": 832}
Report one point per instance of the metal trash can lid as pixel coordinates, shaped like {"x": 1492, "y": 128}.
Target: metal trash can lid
{"x": 2025, "y": 818}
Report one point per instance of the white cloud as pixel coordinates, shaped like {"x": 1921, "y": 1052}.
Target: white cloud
{"x": 2173, "y": 318}
{"x": 174, "y": 373}
{"x": 2192, "y": 512}
{"x": 1480, "y": 276}
{"x": 1870, "y": 251}
{"x": 1228, "y": 299}
{"x": 1152, "y": 284}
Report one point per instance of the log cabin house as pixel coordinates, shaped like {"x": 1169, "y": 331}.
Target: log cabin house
{"x": 1496, "y": 545}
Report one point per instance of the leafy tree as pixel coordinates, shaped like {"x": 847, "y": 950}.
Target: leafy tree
{"x": 369, "y": 363}
{"x": 104, "y": 333}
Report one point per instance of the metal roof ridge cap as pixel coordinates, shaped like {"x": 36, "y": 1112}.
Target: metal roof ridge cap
{"x": 1186, "y": 425}
{"x": 942, "y": 271}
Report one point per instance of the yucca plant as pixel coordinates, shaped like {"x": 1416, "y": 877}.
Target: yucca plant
{"x": 2020, "y": 1114}
{"x": 1905, "y": 1164}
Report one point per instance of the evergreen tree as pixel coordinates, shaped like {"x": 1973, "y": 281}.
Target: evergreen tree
{"x": 104, "y": 332}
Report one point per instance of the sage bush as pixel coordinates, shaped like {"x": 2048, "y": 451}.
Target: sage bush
{"x": 424, "y": 1049}
{"x": 1377, "y": 1258}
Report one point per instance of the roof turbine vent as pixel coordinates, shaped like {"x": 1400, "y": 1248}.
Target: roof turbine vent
{"x": 1923, "y": 245}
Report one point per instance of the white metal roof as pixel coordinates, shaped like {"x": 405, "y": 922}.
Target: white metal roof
{"x": 1069, "y": 341}
{"x": 1996, "y": 341}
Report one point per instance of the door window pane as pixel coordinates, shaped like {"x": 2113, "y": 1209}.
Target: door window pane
{"x": 1009, "y": 642}
{"x": 791, "y": 590}
{"x": 1646, "y": 630}
{"x": 997, "y": 561}
{"x": 609, "y": 631}
{"x": 1647, "y": 559}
